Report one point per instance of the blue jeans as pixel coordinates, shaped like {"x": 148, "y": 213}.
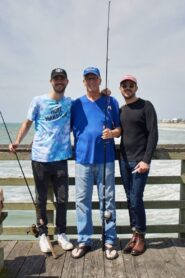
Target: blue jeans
{"x": 86, "y": 176}
{"x": 134, "y": 185}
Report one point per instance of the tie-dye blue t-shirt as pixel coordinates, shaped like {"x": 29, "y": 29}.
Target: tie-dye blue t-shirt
{"x": 52, "y": 128}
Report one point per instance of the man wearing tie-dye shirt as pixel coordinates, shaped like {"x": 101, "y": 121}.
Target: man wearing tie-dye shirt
{"x": 50, "y": 150}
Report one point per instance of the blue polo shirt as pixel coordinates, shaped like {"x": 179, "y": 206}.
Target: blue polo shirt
{"x": 88, "y": 122}
{"x": 52, "y": 128}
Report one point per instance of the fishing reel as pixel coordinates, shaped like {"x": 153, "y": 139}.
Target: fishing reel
{"x": 33, "y": 230}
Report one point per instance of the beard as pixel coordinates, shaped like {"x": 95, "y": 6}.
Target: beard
{"x": 129, "y": 96}
{"x": 59, "y": 89}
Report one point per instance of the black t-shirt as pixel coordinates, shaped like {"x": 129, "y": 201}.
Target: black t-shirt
{"x": 139, "y": 131}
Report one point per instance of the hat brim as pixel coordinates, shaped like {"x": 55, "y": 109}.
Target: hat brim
{"x": 96, "y": 74}
{"x": 129, "y": 79}
{"x": 58, "y": 74}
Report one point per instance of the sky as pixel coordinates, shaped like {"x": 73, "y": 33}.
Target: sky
{"x": 146, "y": 39}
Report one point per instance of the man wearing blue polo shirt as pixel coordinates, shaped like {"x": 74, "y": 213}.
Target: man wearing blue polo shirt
{"x": 91, "y": 129}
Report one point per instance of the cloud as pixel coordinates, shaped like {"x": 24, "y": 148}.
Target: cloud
{"x": 146, "y": 39}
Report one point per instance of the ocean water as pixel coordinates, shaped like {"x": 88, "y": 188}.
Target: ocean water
{"x": 152, "y": 192}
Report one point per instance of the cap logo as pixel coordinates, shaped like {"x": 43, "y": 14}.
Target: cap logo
{"x": 58, "y": 70}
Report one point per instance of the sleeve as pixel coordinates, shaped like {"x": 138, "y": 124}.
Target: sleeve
{"x": 115, "y": 113}
{"x": 72, "y": 113}
{"x": 33, "y": 110}
{"x": 152, "y": 128}
{"x": 120, "y": 116}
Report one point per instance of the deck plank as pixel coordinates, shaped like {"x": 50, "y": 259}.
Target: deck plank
{"x": 73, "y": 267}
{"x": 33, "y": 263}
{"x": 15, "y": 258}
{"x": 140, "y": 266}
{"x": 163, "y": 258}
{"x": 115, "y": 268}
{"x": 52, "y": 267}
{"x": 172, "y": 259}
{"x": 128, "y": 262}
{"x": 179, "y": 243}
{"x": 7, "y": 246}
{"x": 153, "y": 261}
{"x": 94, "y": 261}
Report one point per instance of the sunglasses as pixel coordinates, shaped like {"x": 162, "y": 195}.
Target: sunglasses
{"x": 127, "y": 85}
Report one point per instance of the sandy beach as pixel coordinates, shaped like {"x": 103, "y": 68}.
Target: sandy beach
{"x": 172, "y": 125}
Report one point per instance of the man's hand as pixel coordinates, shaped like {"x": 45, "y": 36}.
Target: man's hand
{"x": 107, "y": 134}
{"x": 106, "y": 92}
{"x": 21, "y": 134}
{"x": 141, "y": 167}
{"x": 13, "y": 147}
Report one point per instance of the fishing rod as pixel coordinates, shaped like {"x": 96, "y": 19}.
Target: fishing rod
{"x": 106, "y": 214}
{"x": 34, "y": 229}
{"x": 18, "y": 161}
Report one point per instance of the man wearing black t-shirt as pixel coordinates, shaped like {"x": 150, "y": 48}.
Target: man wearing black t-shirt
{"x": 138, "y": 141}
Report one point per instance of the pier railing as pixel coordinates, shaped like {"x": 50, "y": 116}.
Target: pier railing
{"x": 163, "y": 152}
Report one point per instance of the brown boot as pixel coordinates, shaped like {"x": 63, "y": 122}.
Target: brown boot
{"x": 130, "y": 245}
{"x": 140, "y": 245}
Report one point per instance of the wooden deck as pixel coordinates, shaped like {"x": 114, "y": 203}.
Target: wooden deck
{"x": 164, "y": 258}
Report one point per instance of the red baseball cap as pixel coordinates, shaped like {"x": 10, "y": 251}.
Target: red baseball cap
{"x": 129, "y": 77}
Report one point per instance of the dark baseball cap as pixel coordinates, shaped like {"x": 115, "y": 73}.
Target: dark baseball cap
{"x": 57, "y": 72}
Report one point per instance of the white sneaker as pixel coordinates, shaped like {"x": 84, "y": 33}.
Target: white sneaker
{"x": 64, "y": 242}
{"x": 44, "y": 245}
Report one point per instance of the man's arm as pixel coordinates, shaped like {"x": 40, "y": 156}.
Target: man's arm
{"x": 152, "y": 128}
{"x": 21, "y": 134}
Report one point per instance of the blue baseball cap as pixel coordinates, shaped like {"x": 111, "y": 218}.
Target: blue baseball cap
{"x": 92, "y": 70}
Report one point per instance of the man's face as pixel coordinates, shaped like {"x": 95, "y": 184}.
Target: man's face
{"x": 59, "y": 83}
{"x": 128, "y": 89}
{"x": 92, "y": 82}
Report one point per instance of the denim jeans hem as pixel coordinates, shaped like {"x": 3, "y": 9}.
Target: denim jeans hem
{"x": 109, "y": 242}
{"x": 86, "y": 243}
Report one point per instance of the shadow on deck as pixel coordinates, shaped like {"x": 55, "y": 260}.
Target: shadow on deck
{"x": 164, "y": 258}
